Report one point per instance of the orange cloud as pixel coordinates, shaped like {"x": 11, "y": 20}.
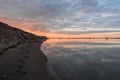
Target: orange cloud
{"x": 29, "y": 26}
{"x": 23, "y": 24}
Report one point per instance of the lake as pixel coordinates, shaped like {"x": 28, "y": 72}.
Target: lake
{"x": 84, "y": 59}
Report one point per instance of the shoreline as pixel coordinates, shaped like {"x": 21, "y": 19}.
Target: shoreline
{"x": 51, "y": 72}
{"x": 25, "y": 62}
{"x": 21, "y": 57}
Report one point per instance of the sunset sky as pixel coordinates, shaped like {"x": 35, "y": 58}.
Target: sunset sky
{"x": 63, "y": 17}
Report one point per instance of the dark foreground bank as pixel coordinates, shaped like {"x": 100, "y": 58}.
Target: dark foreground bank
{"x": 20, "y": 55}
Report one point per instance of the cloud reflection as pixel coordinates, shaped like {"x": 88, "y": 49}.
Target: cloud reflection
{"x": 86, "y": 62}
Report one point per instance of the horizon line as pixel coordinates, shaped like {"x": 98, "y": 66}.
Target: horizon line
{"x": 86, "y": 38}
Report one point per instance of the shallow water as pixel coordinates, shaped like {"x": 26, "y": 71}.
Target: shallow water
{"x": 84, "y": 59}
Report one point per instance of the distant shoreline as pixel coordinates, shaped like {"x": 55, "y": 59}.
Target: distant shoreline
{"x": 90, "y": 38}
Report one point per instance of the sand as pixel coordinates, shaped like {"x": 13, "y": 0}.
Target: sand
{"x": 25, "y": 62}
{"x": 20, "y": 55}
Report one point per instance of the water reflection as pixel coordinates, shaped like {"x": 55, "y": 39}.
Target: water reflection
{"x": 84, "y": 59}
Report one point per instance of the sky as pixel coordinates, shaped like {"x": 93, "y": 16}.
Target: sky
{"x": 62, "y": 16}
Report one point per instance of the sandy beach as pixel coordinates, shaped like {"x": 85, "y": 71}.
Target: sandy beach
{"x": 25, "y": 62}
{"x": 20, "y": 55}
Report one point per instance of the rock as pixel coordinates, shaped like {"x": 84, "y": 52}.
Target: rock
{"x": 20, "y": 55}
{"x": 10, "y": 37}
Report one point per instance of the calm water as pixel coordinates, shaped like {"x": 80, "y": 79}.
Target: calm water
{"x": 84, "y": 59}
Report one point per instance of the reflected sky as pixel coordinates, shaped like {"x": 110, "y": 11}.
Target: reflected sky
{"x": 84, "y": 59}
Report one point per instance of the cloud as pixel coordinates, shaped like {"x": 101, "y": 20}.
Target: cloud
{"x": 33, "y": 8}
{"x": 60, "y": 14}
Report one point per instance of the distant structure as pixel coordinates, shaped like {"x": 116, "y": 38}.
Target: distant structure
{"x": 89, "y": 38}
{"x": 106, "y": 38}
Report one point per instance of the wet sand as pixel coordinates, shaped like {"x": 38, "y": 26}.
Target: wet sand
{"x": 20, "y": 55}
{"x": 24, "y": 62}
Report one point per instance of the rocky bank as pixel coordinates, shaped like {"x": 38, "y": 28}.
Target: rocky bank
{"x": 20, "y": 55}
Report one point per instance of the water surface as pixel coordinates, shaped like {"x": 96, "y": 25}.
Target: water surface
{"x": 84, "y": 59}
